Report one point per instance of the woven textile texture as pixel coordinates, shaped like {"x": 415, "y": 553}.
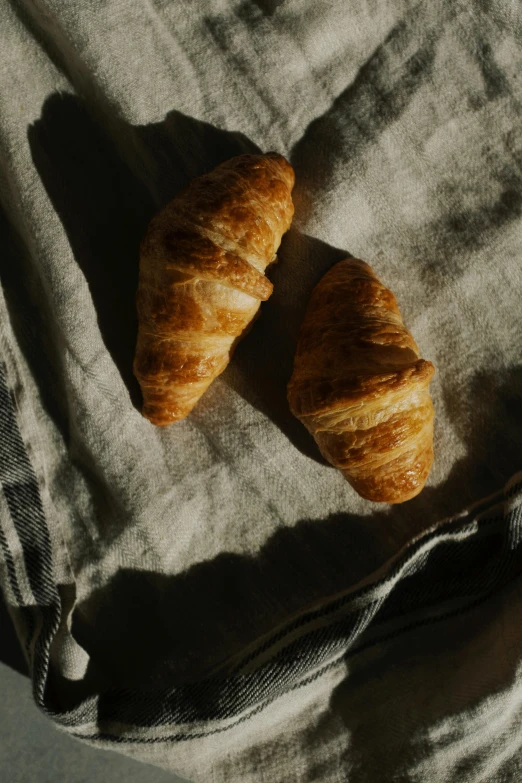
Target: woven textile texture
{"x": 212, "y": 597}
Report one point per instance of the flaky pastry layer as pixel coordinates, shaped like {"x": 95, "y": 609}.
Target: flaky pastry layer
{"x": 202, "y": 265}
{"x": 361, "y": 388}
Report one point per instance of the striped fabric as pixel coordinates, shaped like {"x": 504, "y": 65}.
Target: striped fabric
{"x": 442, "y": 574}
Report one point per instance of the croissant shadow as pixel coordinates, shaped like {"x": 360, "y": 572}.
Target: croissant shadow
{"x": 263, "y": 361}
{"x": 105, "y": 196}
{"x": 487, "y": 416}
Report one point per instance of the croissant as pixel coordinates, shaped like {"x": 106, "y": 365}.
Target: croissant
{"x": 361, "y": 388}
{"x": 202, "y": 280}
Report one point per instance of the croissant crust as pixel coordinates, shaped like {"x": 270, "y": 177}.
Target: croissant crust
{"x": 202, "y": 278}
{"x": 361, "y": 388}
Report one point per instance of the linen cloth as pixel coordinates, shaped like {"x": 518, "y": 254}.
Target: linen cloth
{"x": 212, "y": 597}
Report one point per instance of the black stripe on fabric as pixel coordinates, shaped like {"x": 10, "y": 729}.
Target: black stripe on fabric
{"x": 471, "y": 570}
{"x": 217, "y": 699}
{"x": 335, "y": 605}
{"x": 20, "y": 489}
{"x": 112, "y": 738}
{"x": 24, "y": 612}
{"x": 21, "y": 492}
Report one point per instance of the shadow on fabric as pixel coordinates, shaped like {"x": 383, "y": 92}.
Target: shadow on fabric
{"x": 438, "y": 693}
{"x": 104, "y": 207}
{"x": 10, "y": 650}
{"x": 98, "y": 190}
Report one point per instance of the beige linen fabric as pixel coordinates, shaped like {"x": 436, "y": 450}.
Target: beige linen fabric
{"x": 175, "y": 552}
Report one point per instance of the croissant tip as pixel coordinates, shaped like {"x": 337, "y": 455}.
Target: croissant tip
{"x": 162, "y": 418}
{"x": 391, "y": 498}
{"x": 284, "y": 162}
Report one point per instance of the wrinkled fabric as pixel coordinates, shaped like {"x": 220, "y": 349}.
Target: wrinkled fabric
{"x": 212, "y": 597}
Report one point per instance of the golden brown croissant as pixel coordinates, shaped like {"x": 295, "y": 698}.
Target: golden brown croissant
{"x": 202, "y": 279}
{"x": 360, "y": 387}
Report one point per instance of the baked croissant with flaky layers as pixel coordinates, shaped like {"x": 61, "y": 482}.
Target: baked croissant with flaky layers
{"x": 361, "y": 388}
{"x": 202, "y": 280}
